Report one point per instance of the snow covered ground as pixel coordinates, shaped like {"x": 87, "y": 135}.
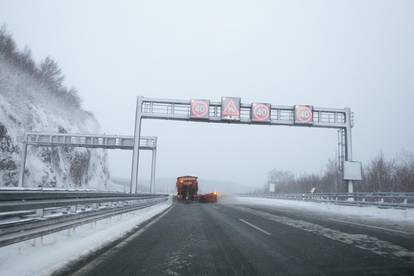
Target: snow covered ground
{"x": 43, "y": 256}
{"x": 393, "y": 219}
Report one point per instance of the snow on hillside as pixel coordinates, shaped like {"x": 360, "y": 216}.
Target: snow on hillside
{"x": 28, "y": 105}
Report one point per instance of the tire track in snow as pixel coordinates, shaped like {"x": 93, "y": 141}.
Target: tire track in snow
{"x": 362, "y": 241}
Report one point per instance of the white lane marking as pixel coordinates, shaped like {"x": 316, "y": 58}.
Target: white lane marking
{"x": 255, "y": 227}
{"x": 215, "y": 207}
{"x": 370, "y": 226}
{"x": 361, "y": 241}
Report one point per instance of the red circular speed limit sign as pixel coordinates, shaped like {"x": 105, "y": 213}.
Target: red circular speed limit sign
{"x": 199, "y": 109}
{"x": 260, "y": 112}
{"x": 303, "y": 114}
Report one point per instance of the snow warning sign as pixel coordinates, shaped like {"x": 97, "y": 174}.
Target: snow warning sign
{"x": 230, "y": 108}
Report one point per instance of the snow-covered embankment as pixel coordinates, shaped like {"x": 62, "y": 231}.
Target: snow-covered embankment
{"x": 42, "y": 256}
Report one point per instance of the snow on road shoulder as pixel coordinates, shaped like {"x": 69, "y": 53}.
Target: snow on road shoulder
{"x": 396, "y": 218}
{"x": 43, "y": 256}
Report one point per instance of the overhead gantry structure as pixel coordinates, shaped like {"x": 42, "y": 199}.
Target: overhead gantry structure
{"x": 39, "y": 139}
{"x": 231, "y": 110}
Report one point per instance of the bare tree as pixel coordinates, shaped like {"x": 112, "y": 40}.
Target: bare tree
{"x": 7, "y": 44}
{"x": 379, "y": 175}
{"x": 51, "y": 74}
{"x": 48, "y": 72}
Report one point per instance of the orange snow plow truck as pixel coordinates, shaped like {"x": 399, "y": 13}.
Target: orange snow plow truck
{"x": 187, "y": 188}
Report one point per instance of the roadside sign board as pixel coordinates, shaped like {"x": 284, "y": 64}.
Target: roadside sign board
{"x": 199, "y": 109}
{"x": 230, "y": 108}
{"x": 352, "y": 170}
{"x": 260, "y": 112}
{"x": 303, "y": 114}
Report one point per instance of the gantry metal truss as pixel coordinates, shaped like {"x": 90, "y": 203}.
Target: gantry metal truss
{"x": 88, "y": 141}
{"x": 280, "y": 115}
{"x": 181, "y": 110}
{"x": 341, "y": 149}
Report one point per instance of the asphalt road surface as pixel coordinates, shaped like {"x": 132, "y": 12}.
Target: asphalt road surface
{"x": 221, "y": 239}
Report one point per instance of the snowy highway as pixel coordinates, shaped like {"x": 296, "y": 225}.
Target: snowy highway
{"x": 242, "y": 238}
{"x": 206, "y": 138}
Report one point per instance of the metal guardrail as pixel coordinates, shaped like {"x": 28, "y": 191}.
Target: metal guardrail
{"x": 27, "y": 200}
{"x": 26, "y": 215}
{"x": 399, "y": 200}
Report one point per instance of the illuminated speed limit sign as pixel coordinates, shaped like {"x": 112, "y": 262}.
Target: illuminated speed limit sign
{"x": 199, "y": 109}
{"x": 303, "y": 114}
{"x": 260, "y": 112}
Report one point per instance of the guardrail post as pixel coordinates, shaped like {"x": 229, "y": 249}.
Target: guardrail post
{"x": 135, "y": 154}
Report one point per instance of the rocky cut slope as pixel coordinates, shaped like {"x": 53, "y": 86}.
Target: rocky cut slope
{"x": 28, "y": 102}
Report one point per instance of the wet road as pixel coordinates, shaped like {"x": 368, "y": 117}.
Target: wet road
{"x": 219, "y": 239}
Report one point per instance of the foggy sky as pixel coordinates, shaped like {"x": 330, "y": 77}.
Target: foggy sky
{"x": 356, "y": 54}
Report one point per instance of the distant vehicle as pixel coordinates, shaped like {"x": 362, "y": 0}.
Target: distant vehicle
{"x": 187, "y": 187}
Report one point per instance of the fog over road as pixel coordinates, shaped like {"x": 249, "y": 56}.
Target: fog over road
{"x": 234, "y": 239}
